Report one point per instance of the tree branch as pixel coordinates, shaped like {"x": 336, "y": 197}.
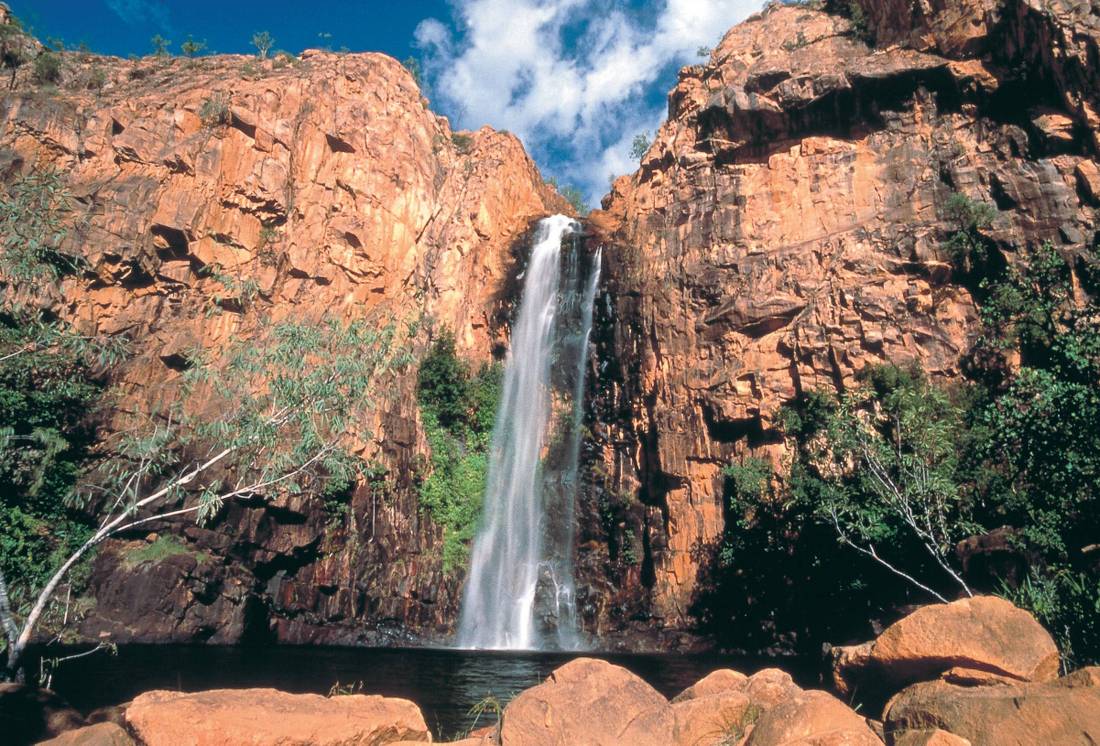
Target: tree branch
{"x": 7, "y": 619}
{"x": 870, "y": 552}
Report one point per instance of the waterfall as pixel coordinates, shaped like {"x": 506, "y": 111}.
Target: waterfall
{"x": 519, "y": 593}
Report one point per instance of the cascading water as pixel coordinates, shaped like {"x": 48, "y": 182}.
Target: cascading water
{"x": 522, "y": 560}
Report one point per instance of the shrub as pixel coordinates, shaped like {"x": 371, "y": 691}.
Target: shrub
{"x": 413, "y": 66}
{"x": 966, "y": 248}
{"x": 458, "y": 412}
{"x": 463, "y": 143}
{"x": 1067, "y": 603}
{"x": 161, "y": 549}
{"x": 640, "y": 146}
{"x": 885, "y": 475}
{"x": 442, "y": 383}
{"x": 47, "y": 68}
{"x": 214, "y": 111}
{"x": 860, "y": 26}
{"x": 95, "y": 79}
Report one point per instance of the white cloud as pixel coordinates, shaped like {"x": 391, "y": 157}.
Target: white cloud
{"x": 570, "y": 77}
{"x": 141, "y": 12}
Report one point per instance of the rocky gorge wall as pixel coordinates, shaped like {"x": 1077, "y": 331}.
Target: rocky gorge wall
{"x": 785, "y": 230}
{"x": 210, "y": 193}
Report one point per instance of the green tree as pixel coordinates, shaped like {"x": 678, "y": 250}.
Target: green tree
{"x": 13, "y": 47}
{"x": 48, "y": 385}
{"x": 572, "y": 195}
{"x": 276, "y": 418}
{"x": 263, "y": 41}
{"x": 640, "y": 146}
{"x": 883, "y": 472}
{"x": 192, "y": 48}
{"x": 160, "y": 45}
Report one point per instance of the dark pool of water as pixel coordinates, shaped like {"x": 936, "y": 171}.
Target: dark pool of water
{"x": 444, "y": 683}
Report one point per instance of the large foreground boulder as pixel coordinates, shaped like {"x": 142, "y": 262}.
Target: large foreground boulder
{"x": 812, "y": 718}
{"x": 1062, "y": 713}
{"x": 984, "y": 637}
{"x": 227, "y": 717}
{"x": 587, "y": 701}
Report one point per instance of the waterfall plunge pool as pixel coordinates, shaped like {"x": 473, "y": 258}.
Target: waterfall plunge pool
{"x": 445, "y": 683}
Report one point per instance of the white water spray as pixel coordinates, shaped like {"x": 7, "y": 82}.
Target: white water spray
{"x": 519, "y": 556}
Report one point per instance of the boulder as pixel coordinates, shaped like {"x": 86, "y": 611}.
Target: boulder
{"x": 934, "y": 737}
{"x": 722, "y": 707}
{"x": 984, "y": 637}
{"x": 721, "y": 718}
{"x": 1088, "y": 181}
{"x": 28, "y": 714}
{"x": 769, "y": 687}
{"x": 1087, "y": 676}
{"x": 225, "y": 717}
{"x": 1063, "y": 712}
{"x": 850, "y": 667}
{"x": 588, "y": 701}
{"x": 717, "y": 682}
{"x": 812, "y": 718}
{"x": 100, "y": 734}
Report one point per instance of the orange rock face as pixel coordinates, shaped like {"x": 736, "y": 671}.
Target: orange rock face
{"x": 785, "y": 230}
{"x": 325, "y": 186}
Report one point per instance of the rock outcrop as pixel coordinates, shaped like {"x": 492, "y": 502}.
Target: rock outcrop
{"x": 977, "y": 640}
{"x": 1049, "y": 713}
{"x": 812, "y": 718}
{"x": 585, "y": 701}
{"x": 594, "y": 702}
{"x": 210, "y": 193}
{"x": 226, "y": 717}
{"x": 784, "y": 231}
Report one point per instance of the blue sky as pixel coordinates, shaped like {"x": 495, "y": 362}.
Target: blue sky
{"x": 575, "y": 79}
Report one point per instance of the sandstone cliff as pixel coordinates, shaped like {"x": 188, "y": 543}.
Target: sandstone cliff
{"x": 323, "y": 187}
{"x": 784, "y": 231}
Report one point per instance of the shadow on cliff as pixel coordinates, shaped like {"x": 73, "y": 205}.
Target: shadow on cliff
{"x": 779, "y": 583}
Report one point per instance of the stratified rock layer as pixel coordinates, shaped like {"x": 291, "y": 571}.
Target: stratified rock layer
{"x": 209, "y": 193}
{"x": 785, "y": 230}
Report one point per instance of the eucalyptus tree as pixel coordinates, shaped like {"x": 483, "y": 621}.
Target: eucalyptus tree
{"x": 270, "y": 414}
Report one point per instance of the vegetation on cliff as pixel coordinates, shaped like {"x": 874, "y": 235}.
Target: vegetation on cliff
{"x": 270, "y": 415}
{"x": 458, "y": 409}
{"x": 902, "y": 470}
